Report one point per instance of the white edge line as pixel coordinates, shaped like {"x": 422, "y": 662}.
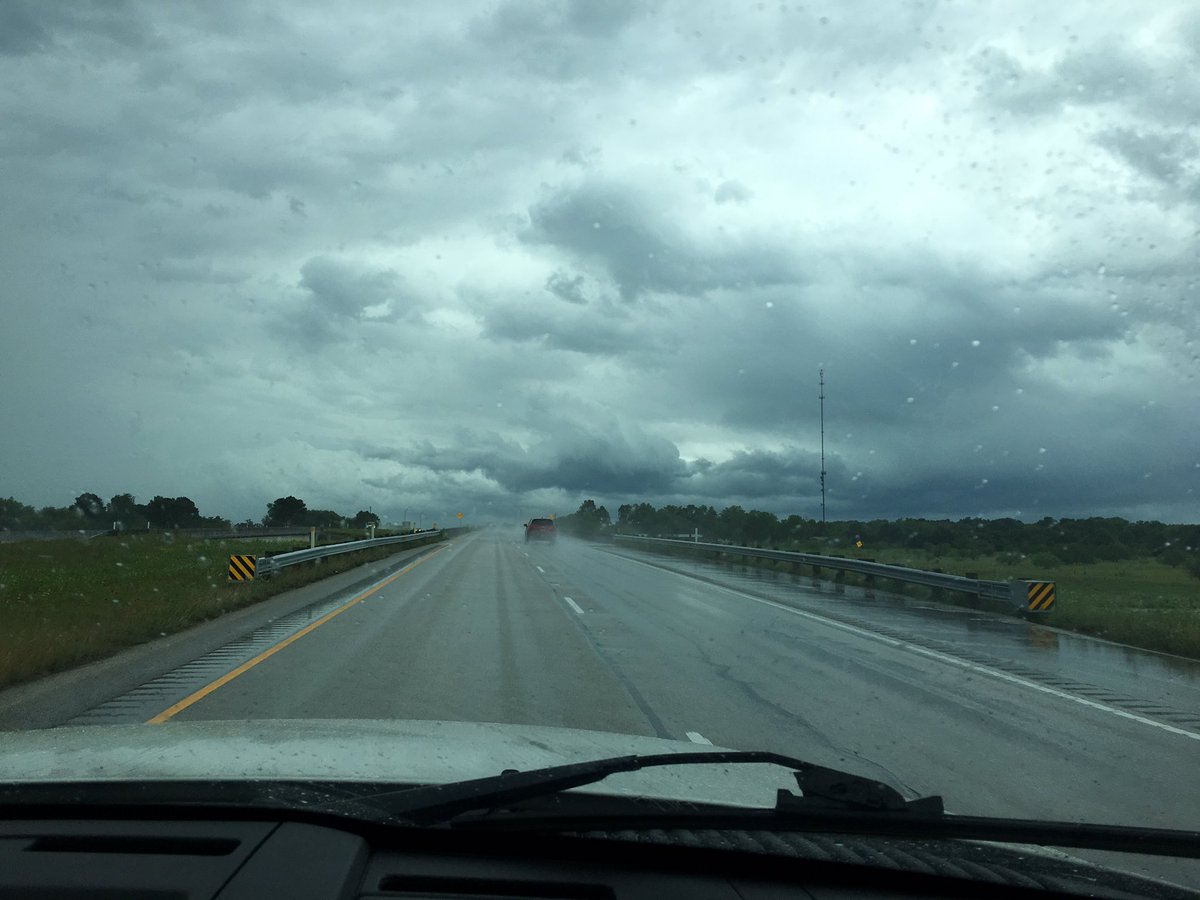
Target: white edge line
{"x": 571, "y": 603}
{"x": 945, "y": 658}
{"x": 697, "y": 738}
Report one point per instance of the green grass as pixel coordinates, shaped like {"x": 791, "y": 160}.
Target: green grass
{"x": 64, "y": 603}
{"x": 1143, "y": 602}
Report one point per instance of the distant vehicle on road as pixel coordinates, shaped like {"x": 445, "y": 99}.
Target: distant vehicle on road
{"x": 541, "y": 530}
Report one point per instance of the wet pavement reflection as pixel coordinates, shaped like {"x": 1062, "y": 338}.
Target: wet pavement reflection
{"x": 1026, "y": 648}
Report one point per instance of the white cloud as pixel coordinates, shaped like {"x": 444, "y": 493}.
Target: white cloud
{"x": 537, "y": 252}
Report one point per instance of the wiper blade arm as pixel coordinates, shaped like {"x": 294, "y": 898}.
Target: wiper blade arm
{"x": 830, "y": 788}
{"x": 833, "y": 789}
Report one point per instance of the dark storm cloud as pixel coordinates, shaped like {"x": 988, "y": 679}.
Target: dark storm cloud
{"x": 1163, "y": 156}
{"x": 606, "y": 328}
{"x": 22, "y": 29}
{"x": 1050, "y": 473}
{"x": 29, "y": 26}
{"x": 558, "y": 42}
{"x": 344, "y": 289}
{"x": 761, "y": 475}
{"x": 642, "y": 247}
{"x": 341, "y": 300}
{"x": 571, "y": 456}
{"x": 582, "y": 460}
{"x": 566, "y": 288}
{"x": 1164, "y": 89}
{"x": 192, "y": 272}
{"x": 956, "y": 339}
{"x": 732, "y": 192}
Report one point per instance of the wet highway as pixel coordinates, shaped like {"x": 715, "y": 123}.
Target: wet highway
{"x": 999, "y": 716}
{"x": 585, "y": 636}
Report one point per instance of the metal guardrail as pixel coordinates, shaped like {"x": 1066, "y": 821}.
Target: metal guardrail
{"x": 221, "y": 534}
{"x": 268, "y": 564}
{"x": 1015, "y": 594}
{"x": 81, "y": 534}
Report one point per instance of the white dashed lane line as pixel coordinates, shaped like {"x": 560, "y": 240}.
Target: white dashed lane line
{"x": 571, "y": 603}
{"x": 697, "y": 738}
{"x": 540, "y": 569}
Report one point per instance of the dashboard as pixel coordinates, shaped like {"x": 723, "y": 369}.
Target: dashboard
{"x": 232, "y": 859}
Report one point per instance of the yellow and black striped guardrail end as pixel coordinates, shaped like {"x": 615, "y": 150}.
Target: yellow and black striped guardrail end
{"x": 1040, "y": 596}
{"x": 241, "y": 568}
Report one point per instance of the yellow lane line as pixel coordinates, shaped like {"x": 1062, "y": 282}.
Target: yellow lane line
{"x": 203, "y": 692}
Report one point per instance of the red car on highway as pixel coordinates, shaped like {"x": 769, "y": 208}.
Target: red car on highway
{"x": 541, "y": 530}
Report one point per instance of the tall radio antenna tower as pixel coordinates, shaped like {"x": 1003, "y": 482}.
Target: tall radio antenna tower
{"x": 822, "y": 396}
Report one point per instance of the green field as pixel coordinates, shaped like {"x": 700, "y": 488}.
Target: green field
{"x": 1144, "y": 602}
{"x": 63, "y": 603}
{"x": 1140, "y": 602}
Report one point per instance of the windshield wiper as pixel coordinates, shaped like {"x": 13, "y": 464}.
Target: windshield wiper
{"x": 832, "y": 801}
{"x": 823, "y": 788}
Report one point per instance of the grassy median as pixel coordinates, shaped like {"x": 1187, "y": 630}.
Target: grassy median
{"x": 64, "y": 603}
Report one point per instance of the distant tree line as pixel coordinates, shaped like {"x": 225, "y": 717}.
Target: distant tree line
{"x": 90, "y": 512}
{"x": 586, "y": 522}
{"x": 1054, "y": 541}
{"x": 291, "y": 511}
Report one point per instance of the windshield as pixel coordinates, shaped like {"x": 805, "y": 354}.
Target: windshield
{"x": 827, "y": 285}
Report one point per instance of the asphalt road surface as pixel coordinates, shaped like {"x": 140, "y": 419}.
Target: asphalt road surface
{"x": 1000, "y": 717}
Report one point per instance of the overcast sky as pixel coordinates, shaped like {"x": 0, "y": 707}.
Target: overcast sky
{"x": 502, "y": 259}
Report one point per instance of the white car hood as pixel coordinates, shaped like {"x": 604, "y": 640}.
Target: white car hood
{"x": 412, "y": 752}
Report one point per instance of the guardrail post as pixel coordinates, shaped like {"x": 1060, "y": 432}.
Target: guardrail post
{"x": 1036, "y": 597}
{"x": 816, "y": 577}
{"x": 839, "y": 582}
{"x": 869, "y": 586}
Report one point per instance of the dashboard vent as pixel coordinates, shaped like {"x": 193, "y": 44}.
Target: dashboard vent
{"x": 430, "y": 886}
{"x": 134, "y": 844}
